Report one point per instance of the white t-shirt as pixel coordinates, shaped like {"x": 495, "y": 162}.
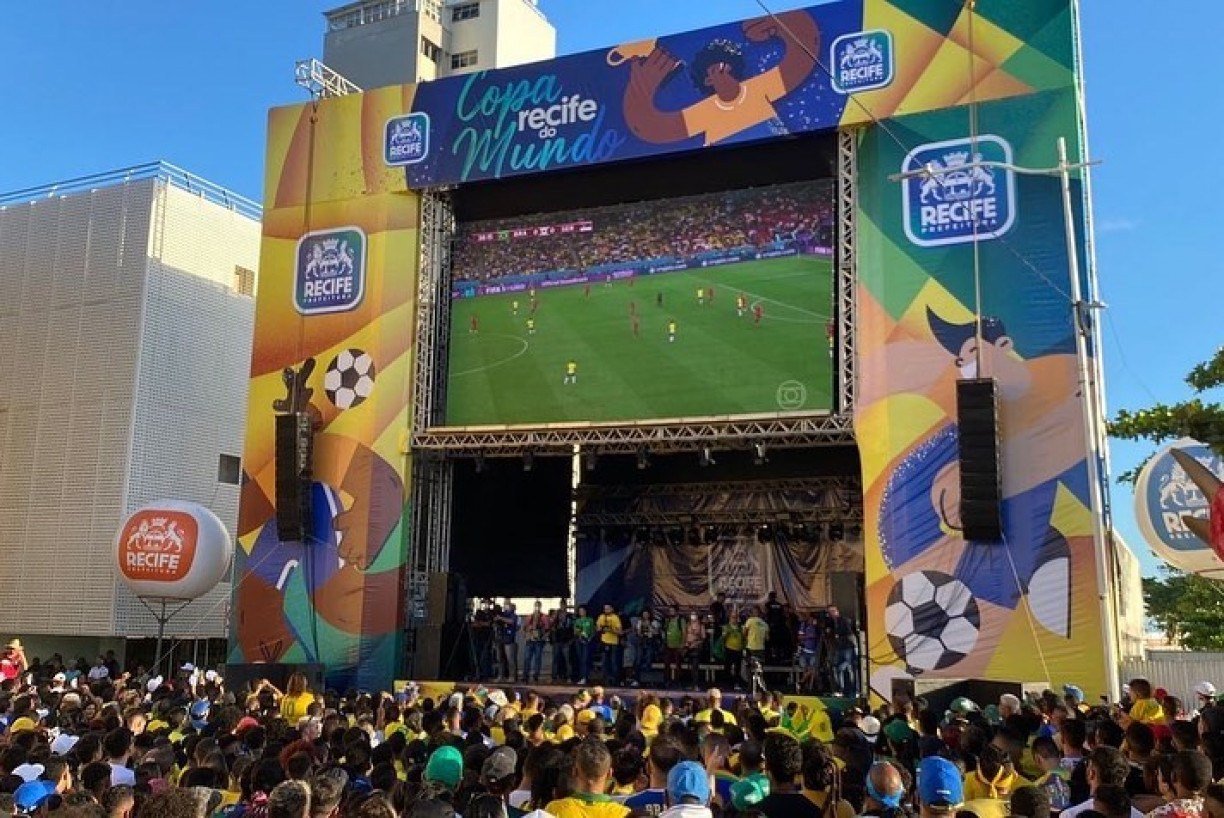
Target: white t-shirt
{"x": 99, "y": 672}
{"x": 518, "y": 798}
{"x": 121, "y": 775}
{"x": 1072, "y": 812}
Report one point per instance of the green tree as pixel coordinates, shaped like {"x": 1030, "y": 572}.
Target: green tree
{"x": 1200, "y": 419}
{"x": 1188, "y": 608}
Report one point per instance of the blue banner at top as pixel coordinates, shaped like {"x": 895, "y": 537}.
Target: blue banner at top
{"x": 753, "y": 80}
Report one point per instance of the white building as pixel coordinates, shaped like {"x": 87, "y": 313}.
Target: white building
{"x": 126, "y": 329}
{"x": 374, "y": 43}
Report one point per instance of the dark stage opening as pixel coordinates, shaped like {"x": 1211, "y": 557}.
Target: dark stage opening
{"x": 511, "y": 526}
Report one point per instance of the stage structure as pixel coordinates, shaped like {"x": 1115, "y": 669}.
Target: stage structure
{"x": 735, "y": 272}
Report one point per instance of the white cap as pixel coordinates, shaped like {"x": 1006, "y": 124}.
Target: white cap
{"x": 59, "y": 677}
{"x": 456, "y": 700}
{"x": 64, "y": 743}
{"x": 188, "y": 668}
{"x": 211, "y": 675}
{"x": 154, "y": 683}
{"x": 870, "y": 726}
{"x": 1010, "y": 701}
{"x": 1205, "y": 689}
{"x": 29, "y": 772}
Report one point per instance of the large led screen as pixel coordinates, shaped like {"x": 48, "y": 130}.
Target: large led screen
{"x": 703, "y": 306}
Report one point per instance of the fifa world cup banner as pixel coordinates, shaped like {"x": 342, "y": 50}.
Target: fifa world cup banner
{"x": 813, "y": 69}
{"x": 337, "y": 286}
{"x": 1027, "y": 607}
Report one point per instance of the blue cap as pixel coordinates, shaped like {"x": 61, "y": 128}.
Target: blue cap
{"x": 1074, "y": 692}
{"x": 688, "y": 779}
{"x": 940, "y": 783}
{"x": 33, "y": 794}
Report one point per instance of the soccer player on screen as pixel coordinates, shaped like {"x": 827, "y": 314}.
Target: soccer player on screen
{"x": 514, "y": 306}
{"x": 473, "y": 325}
{"x": 586, "y": 291}
{"x": 535, "y": 304}
{"x": 659, "y": 299}
{"x": 741, "y": 304}
{"x": 571, "y": 371}
{"x": 700, "y": 296}
{"x": 531, "y": 326}
{"x": 710, "y": 294}
{"x": 637, "y": 326}
{"x": 671, "y": 331}
{"x": 633, "y": 308}
{"x": 757, "y": 312}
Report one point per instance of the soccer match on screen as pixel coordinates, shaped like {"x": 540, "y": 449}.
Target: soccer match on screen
{"x": 710, "y": 305}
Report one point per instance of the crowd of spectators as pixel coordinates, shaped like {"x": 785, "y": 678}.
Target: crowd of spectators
{"x": 122, "y": 745}
{"x": 676, "y": 229}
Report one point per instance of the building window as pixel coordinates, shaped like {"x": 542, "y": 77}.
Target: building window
{"x": 468, "y": 11}
{"x": 244, "y": 281}
{"x": 229, "y": 469}
{"x": 430, "y": 49}
{"x": 465, "y": 59}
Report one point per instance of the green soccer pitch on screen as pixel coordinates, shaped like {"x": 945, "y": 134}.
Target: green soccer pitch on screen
{"x": 702, "y": 306}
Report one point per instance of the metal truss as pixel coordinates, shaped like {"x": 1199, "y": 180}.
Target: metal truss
{"x": 808, "y": 516}
{"x": 429, "y": 552}
{"x": 321, "y": 81}
{"x": 433, "y": 309}
{"x": 847, "y": 265}
{"x": 652, "y": 438}
{"x": 432, "y": 476}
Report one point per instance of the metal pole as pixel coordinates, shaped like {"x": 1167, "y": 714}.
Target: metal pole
{"x": 1101, "y": 538}
{"x": 161, "y": 632}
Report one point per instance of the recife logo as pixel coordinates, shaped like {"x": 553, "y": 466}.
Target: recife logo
{"x": 330, "y": 271}
{"x": 958, "y": 198}
{"x": 862, "y": 61}
{"x": 406, "y": 140}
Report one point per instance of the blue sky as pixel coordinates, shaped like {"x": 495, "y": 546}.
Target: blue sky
{"x": 97, "y": 86}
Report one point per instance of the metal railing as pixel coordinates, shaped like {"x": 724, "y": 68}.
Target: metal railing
{"x": 321, "y": 81}
{"x": 163, "y": 171}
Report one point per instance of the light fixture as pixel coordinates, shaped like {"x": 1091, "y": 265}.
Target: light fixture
{"x": 643, "y": 460}
{"x": 758, "y": 455}
{"x": 590, "y": 458}
{"x": 479, "y": 462}
{"x": 528, "y": 460}
{"x": 707, "y": 459}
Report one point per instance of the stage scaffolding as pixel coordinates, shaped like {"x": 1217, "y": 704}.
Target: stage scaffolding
{"x": 434, "y": 446}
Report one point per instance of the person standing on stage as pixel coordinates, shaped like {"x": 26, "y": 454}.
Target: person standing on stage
{"x": 649, "y": 635}
{"x": 584, "y": 634}
{"x": 561, "y": 630}
{"x": 845, "y": 660}
{"x": 537, "y": 635}
{"x": 733, "y": 650}
{"x": 756, "y": 632}
{"x": 507, "y": 643}
{"x": 610, "y": 630}
{"x": 811, "y": 637}
{"x": 673, "y": 652}
{"x": 694, "y": 638}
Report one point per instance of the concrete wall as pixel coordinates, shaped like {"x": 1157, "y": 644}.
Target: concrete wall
{"x": 73, "y": 268}
{"x": 191, "y": 386}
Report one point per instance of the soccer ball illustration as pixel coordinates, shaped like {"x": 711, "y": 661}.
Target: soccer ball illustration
{"x": 932, "y": 620}
{"x": 349, "y": 379}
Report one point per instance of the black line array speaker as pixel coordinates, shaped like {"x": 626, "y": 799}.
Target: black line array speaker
{"x": 447, "y": 600}
{"x": 980, "y": 483}
{"x": 294, "y": 472}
